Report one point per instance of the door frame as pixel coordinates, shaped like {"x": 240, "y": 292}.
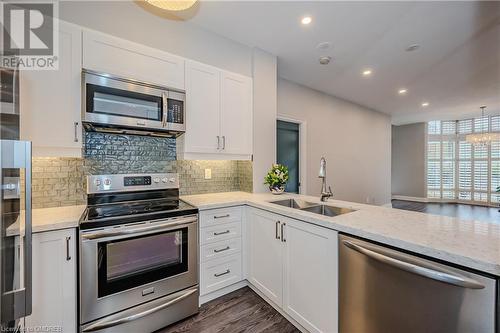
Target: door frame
{"x": 302, "y": 148}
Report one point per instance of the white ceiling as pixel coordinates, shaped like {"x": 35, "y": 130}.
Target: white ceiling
{"x": 456, "y": 69}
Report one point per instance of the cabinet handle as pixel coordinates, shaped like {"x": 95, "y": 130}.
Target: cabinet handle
{"x": 223, "y": 273}
{"x": 222, "y": 250}
{"x": 76, "y": 131}
{"x": 223, "y": 142}
{"x": 221, "y": 216}
{"x": 277, "y": 227}
{"x": 68, "y": 255}
{"x": 283, "y": 232}
{"x": 221, "y": 233}
{"x": 218, "y": 142}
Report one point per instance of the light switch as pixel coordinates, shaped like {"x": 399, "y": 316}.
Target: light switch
{"x": 208, "y": 173}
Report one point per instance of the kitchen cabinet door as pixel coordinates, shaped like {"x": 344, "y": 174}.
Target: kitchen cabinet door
{"x": 54, "y": 281}
{"x": 265, "y": 254}
{"x": 202, "y": 109}
{"x": 236, "y": 114}
{"x": 120, "y": 57}
{"x": 50, "y": 100}
{"x": 311, "y": 276}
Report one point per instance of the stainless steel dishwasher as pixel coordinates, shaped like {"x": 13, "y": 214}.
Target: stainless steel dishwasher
{"x": 383, "y": 290}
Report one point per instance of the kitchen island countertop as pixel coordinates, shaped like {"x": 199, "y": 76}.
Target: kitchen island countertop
{"x": 468, "y": 243}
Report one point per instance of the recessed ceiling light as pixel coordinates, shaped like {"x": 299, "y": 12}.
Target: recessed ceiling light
{"x": 402, "y": 91}
{"x": 425, "y": 104}
{"x": 306, "y": 20}
{"x": 367, "y": 72}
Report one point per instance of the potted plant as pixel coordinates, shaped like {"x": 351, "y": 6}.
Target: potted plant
{"x": 276, "y": 178}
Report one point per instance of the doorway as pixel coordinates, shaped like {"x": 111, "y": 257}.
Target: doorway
{"x": 288, "y": 152}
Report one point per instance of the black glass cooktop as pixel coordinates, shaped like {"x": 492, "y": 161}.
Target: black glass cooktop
{"x": 134, "y": 211}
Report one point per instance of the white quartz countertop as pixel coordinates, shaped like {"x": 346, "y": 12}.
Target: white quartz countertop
{"x": 48, "y": 219}
{"x": 469, "y": 243}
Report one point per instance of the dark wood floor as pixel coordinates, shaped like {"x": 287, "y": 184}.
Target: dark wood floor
{"x": 239, "y": 311}
{"x": 468, "y": 212}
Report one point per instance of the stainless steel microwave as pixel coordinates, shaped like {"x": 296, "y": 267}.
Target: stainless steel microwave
{"x": 119, "y": 105}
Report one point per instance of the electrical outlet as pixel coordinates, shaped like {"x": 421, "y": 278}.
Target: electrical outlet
{"x": 208, "y": 173}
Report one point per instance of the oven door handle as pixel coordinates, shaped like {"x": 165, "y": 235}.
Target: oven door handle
{"x": 136, "y": 230}
{"x": 111, "y": 322}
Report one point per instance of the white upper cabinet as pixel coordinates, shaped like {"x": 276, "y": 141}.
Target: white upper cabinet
{"x": 218, "y": 114}
{"x": 116, "y": 56}
{"x": 236, "y": 113}
{"x": 50, "y": 100}
{"x": 202, "y": 108}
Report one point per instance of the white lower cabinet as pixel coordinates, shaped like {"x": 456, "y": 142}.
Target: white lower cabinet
{"x": 220, "y": 249}
{"x": 265, "y": 251}
{"x": 54, "y": 282}
{"x": 310, "y": 276}
{"x": 295, "y": 265}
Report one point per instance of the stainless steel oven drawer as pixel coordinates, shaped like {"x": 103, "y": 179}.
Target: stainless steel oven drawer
{"x": 150, "y": 316}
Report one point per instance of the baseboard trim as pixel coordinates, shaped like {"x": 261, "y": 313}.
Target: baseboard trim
{"x": 221, "y": 292}
{"x": 277, "y": 308}
{"x": 244, "y": 283}
{"x": 407, "y": 198}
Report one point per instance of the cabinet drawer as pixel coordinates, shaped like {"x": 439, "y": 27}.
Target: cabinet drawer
{"x": 219, "y": 232}
{"x": 220, "y": 216}
{"x": 220, "y": 273}
{"x": 220, "y": 249}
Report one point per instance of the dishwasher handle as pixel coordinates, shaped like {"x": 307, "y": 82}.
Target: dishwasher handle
{"x": 438, "y": 275}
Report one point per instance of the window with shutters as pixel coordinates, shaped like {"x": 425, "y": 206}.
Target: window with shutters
{"x": 459, "y": 171}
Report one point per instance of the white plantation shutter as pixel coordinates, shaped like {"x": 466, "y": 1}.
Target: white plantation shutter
{"x": 458, "y": 171}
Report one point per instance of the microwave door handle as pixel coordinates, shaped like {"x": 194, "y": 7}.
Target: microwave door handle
{"x": 164, "y": 97}
{"x": 417, "y": 268}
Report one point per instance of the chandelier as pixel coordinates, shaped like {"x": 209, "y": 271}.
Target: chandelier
{"x": 483, "y": 138}
{"x": 177, "y": 5}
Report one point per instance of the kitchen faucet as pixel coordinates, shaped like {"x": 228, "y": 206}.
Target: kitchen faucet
{"x": 325, "y": 194}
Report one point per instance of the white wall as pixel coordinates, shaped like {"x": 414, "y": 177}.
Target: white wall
{"x": 139, "y": 23}
{"x": 264, "y": 116}
{"x": 355, "y": 141}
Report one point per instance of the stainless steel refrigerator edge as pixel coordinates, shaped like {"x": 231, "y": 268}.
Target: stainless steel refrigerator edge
{"x": 15, "y": 256}
{"x": 383, "y": 290}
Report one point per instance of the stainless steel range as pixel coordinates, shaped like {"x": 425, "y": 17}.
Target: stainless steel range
{"x": 138, "y": 254}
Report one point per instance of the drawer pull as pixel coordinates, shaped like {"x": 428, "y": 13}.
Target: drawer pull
{"x": 221, "y": 233}
{"x": 221, "y": 216}
{"x": 222, "y": 250}
{"x": 223, "y": 273}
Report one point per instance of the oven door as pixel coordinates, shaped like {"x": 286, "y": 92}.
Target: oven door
{"x": 120, "y": 103}
{"x": 124, "y": 266}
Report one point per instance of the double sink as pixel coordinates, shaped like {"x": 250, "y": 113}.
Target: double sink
{"x": 313, "y": 207}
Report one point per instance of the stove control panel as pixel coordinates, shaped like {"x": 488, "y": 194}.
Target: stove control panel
{"x": 131, "y": 182}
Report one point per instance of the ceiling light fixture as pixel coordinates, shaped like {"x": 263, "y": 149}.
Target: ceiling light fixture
{"x": 306, "y": 20}
{"x": 325, "y": 60}
{"x": 425, "y": 104}
{"x": 482, "y": 139}
{"x": 177, "y": 5}
{"x": 367, "y": 72}
{"x": 402, "y": 91}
